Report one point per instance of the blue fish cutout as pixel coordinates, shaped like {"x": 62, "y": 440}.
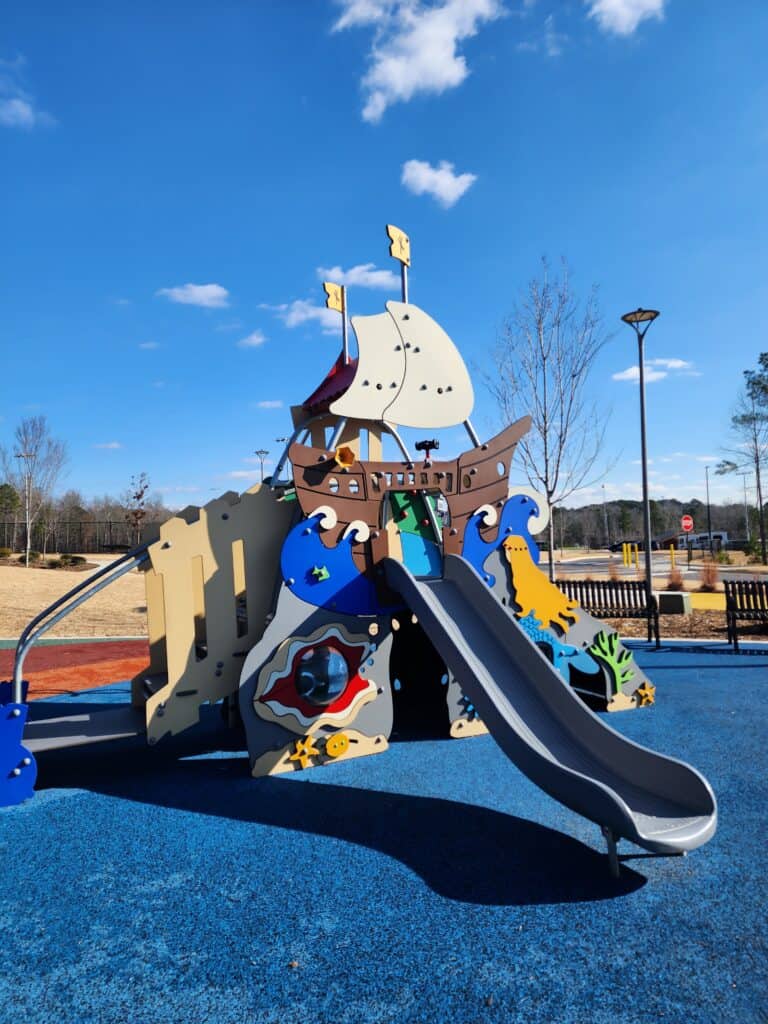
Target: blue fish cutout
{"x": 564, "y": 656}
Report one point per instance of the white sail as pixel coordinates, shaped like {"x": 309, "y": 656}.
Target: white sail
{"x": 409, "y": 372}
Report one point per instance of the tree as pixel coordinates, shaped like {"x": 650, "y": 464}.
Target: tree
{"x": 136, "y": 504}
{"x": 10, "y": 503}
{"x": 33, "y": 467}
{"x": 749, "y": 425}
{"x": 542, "y": 360}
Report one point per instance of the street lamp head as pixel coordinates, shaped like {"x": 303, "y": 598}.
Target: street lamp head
{"x": 640, "y": 316}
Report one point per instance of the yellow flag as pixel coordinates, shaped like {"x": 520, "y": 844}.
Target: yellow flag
{"x": 334, "y": 296}
{"x": 400, "y": 248}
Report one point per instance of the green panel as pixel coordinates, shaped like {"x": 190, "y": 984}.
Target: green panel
{"x": 409, "y": 513}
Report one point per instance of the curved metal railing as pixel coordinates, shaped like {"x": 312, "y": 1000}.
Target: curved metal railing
{"x": 68, "y": 603}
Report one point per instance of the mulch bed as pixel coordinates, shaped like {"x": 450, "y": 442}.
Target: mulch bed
{"x": 699, "y": 625}
{"x": 58, "y": 669}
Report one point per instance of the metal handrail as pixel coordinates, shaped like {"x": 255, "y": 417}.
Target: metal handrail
{"x": 98, "y": 581}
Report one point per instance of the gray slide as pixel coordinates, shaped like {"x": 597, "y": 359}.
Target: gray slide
{"x": 655, "y": 801}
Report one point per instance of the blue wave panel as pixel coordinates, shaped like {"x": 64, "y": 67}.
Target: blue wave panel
{"x": 18, "y": 770}
{"x": 513, "y": 521}
{"x": 326, "y": 577}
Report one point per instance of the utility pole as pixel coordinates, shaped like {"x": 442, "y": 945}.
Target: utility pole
{"x": 709, "y": 514}
{"x": 27, "y": 502}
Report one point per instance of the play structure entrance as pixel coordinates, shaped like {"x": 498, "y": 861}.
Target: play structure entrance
{"x": 416, "y": 520}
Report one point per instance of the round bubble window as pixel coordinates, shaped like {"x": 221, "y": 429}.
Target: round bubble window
{"x": 321, "y": 675}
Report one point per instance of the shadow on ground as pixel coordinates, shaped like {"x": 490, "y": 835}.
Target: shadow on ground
{"x": 463, "y": 852}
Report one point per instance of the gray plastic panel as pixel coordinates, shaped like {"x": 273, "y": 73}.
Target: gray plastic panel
{"x": 82, "y": 728}
{"x": 657, "y": 802}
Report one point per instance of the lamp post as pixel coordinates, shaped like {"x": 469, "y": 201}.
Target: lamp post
{"x": 709, "y": 513}
{"x": 261, "y": 454}
{"x": 640, "y": 320}
{"x": 605, "y": 518}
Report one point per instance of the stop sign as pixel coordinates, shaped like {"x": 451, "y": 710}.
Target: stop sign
{"x": 687, "y": 523}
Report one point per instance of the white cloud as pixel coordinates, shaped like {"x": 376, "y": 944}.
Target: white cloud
{"x": 301, "y": 311}
{"x": 209, "y": 296}
{"x": 148, "y": 345}
{"x": 415, "y": 47}
{"x": 714, "y": 459}
{"x": 178, "y": 489}
{"x": 239, "y": 474}
{"x": 633, "y": 373}
{"x": 109, "y": 444}
{"x": 362, "y": 12}
{"x": 623, "y": 16}
{"x": 17, "y": 107}
{"x": 671, "y": 364}
{"x": 252, "y": 340}
{"x": 440, "y": 182}
{"x": 269, "y": 403}
{"x": 364, "y": 275}
{"x": 657, "y": 369}
{"x": 553, "y": 40}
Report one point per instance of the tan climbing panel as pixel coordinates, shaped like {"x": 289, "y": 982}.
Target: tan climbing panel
{"x": 209, "y": 590}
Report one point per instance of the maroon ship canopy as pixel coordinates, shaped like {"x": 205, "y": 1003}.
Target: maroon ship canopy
{"x": 337, "y": 381}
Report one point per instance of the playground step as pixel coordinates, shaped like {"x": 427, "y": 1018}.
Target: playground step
{"x": 115, "y": 723}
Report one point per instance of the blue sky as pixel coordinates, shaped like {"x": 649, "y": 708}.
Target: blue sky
{"x": 176, "y": 180}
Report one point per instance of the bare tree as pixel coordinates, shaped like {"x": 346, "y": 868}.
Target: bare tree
{"x": 33, "y": 467}
{"x": 542, "y": 360}
{"x": 749, "y": 428}
{"x": 136, "y": 502}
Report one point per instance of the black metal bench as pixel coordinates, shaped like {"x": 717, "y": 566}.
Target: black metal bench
{"x": 615, "y": 599}
{"x": 745, "y": 601}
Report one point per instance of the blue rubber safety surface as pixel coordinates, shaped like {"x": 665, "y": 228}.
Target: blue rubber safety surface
{"x": 432, "y": 883}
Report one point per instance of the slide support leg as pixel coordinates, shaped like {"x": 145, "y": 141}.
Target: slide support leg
{"x": 613, "y": 856}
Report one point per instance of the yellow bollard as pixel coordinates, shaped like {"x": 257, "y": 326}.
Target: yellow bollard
{"x": 672, "y": 557}
{"x": 637, "y": 556}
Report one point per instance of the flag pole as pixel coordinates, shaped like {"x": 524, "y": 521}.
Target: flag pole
{"x": 344, "y": 335}
{"x": 400, "y": 249}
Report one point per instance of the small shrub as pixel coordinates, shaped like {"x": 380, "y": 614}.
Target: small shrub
{"x": 53, "y": 563}
{"x": 675, "y": 581}
{"x": 34, "y": 556}
{"x": 709, "y": 576}
{"x": 723, "y": 558}
{"x": 5, "y": 552}
{"x": 76, "y": 560}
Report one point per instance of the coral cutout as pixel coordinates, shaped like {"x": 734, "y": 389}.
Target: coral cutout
{"x": 646, "y": 694}
{"x": 470, "y": 711}
{"x": 534, "y": 591}
{"x": 564, "y": 656}
{"x": 303, "y": 751}
{"x": 618, "y": 661}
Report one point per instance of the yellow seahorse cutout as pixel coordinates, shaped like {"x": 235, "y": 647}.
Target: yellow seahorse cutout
{"x": 534, "y": 592}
